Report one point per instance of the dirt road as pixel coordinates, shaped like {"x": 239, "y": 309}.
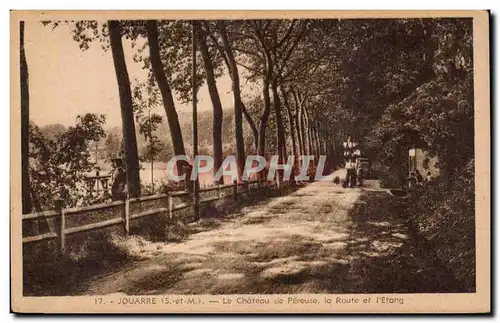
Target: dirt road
{"x": 321, "y": 238}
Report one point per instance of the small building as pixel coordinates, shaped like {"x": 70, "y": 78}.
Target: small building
{"x": 420, "y": 159}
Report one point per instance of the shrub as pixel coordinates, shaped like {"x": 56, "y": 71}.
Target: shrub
{"x": 444, "y": 213}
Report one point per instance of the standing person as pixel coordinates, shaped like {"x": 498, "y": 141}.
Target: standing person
{"x": 350, "y": 173}
{"x": 419, "y": 178}
{"x": 354, "y": 178}
{"x": 118, "y": 180}
{"x": 411, "y": 181}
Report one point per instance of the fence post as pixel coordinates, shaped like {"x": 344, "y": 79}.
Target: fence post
{"x": 219, "y": 189}
{"x": 258, "y": 184}
{"x": 62, "y": 224}
{"x": 235, "y": 190}
{"x": 277, "y": 180}
{"x": 170, "y": 206}
{"x": 126, "y": 216}
{"x": 97, "y": 181}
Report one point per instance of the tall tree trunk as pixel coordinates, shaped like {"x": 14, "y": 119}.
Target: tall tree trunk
{"x": 291, "y": 120}
{"x": 25, "y": 122}
{"x": 333, "y": 143}
{"x": 324, "y": 141}
{"x": 280, "y": 132}
{"x": 305, "y": 130}
{"x": 304, "y": 126}
{"x": 309, "y": 139}
{"x": 298, "y": 123}
{"x": 308, "y": 126}
{"x": 319, "y": 149}
{"x": 166, "y": 93}
{"x": 264, "y": 117}
{"x": 252, "y": 125}
{"x": 238, "y": 115}
{"x": 314, "y": 138}
{"x": 314, "y": 142}
{"x": 217, "y": 105}
{"x": 128, "y": 126}
{"x": 300, "y": 147}
{"x": 328, "y": 139}
{"x": 320, "y": 138}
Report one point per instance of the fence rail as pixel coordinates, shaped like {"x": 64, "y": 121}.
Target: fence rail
{"x": 124, "y": 220}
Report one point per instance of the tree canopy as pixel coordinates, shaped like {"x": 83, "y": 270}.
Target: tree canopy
{"x": 391, "y": 83}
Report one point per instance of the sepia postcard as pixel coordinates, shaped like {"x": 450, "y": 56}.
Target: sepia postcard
{"x": 250, "y": 162}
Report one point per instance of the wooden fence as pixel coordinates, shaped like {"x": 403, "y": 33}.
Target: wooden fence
{"x": 60, "y": 214}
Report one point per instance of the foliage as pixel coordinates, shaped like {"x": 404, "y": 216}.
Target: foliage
{"x": 84, "y": 32}
{"x": 51, "y": 131}
{"x": 445, "y": 215}
{"x": 438, "y": 114}
{"x": 435, "y": 111}
{"x": 147, "y": 127}
{"x": 113, "y": 144}
{"x": 176, "y": 52}
{"x": 392, "y": 83}
{"x": 58, "y": 165}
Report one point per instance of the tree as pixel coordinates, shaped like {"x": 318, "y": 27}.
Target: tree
{"x": 291, "y": 121}
{"x": 261, "y": 64}
{"x": 51, "y": 131}
{"x": 109, "y": 34}
{"x": 251, "y": 124}
{"x": 235, "y": 77}
{"x": 265, "y": 49}
{"x": 299, "y": 120}
{"x": 170, "y": 66}
{"x": 284, "y": 42}
{"x": 147, "y": 126}
{"x": 126, "y": 106}
{"x": 214, "y": 96}
{"x": 163, "y": 84}
{"x": 25, "y": 112}
{"x": 59, "y": 165}
{"x": 439, "y": 96}
{"x": 227, "y": 52}
{"x": 113, "y": 144}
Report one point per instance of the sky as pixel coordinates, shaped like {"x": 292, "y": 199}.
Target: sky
{"x": 65, "y": 81}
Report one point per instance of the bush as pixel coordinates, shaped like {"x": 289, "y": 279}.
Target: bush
{"x": 390, "y": 179}
{"x": 444, "y": 213}
{"x": 161, "y": 187}
{"x": 393, "y": 176}
{"x": 46, "y": 272}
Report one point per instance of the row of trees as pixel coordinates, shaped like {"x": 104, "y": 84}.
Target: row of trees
{"x": 224, "y": 45}
{"x": 391, "y": 83}
{"x": 318, "y": 81}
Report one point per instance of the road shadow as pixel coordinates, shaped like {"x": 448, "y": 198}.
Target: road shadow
{"x": 385, "y": 256}
{"x": 103, "y": 253}
{"x": 354, "y": 241}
